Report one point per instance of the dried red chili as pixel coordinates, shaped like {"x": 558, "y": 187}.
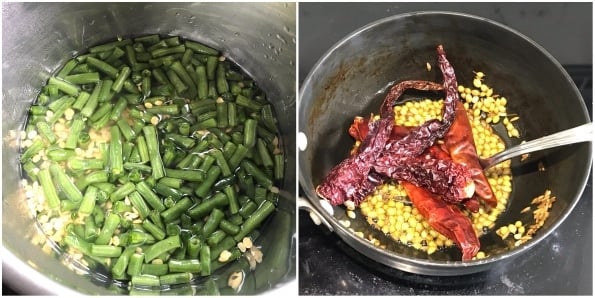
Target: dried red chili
{"x": 459, "y": 142}
{"x": 445, "y": 218}
{"x": 349, "y": 179}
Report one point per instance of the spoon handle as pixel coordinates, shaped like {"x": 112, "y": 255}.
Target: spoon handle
{"x": 582, "y": 133}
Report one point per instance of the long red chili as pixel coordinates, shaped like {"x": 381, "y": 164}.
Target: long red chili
{"x": 459, "y": 142}
{"x": 349, "y": 179}
{"x": 445, "y": 218}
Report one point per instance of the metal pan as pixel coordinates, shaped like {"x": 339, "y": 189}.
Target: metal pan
{"x": 351, "y": 77}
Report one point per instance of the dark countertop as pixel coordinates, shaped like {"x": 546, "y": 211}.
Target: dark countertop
{"x": 328, "y": 266}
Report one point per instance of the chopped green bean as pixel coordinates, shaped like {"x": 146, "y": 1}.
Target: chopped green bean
{"x": 162, "y": 246}
{"x": 111, "y": 224}
{"x": 153, "y": 150}
{"x": 106, "y": 251}
{"x": 265, "y": 209}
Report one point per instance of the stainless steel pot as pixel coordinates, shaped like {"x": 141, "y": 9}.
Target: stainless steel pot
{"x": 39, "y": 37}
{"x": 351, "y": 79}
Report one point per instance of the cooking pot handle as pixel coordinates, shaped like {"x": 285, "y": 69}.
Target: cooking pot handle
{"x": 316, "y": 217}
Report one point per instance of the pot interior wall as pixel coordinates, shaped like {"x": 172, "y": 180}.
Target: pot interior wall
{"x": 351, "y": 80}
{"x": 39, "y": 37}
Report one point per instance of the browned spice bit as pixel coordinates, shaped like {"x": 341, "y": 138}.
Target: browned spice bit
{"x": 524, "y": 156}
{"x": 541, "y": 166}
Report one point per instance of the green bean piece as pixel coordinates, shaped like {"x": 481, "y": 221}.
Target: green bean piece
{"x": 107, "y": 231}
{"x": 222, "y": 114}
{"x": 203, "y": 189}
{"x": 172, "y": 229}
{"x": 189, "y": 265}
{"x": 218, "y": 200}
{"x": 265, "y": 155}
{"x": 139, "y": 204}
{"x": 228, "y": 150}
{"x": 106, "y": 251}
{"x": 68, "y": 67}
{"x": 153, "y": 229}
{"x": 212, "y": 222}
{"x": 82, "y": 78}
{"x": 182, "y": 141}
{"x": 94, "y": 177}
{"x": 250, "y": 133}
{"x": 148, "y": 39}
{"x": 203, "y": 82}
{"x": 67, "y": 103}
{"x": 147, "y": 193}
{"x": 88, "y": 202}
{"x": 46, "y": 131}
{"x": 279, "y": 168}
{"x": 268, "y": 119}
{"x": 179, "y": 69}
{"x": 85, "y": 164}
{"x": 230, "y": 192}
{"x": 93, "y": 101}
{"x": 160, "y": 52}
{"x": 175, "y": 278}
{"x": 135, "y": 264}
{"x": 155, "y": 269}
{"x": 212, "y": 62}
{"x": 205, "y": 260}
{"x": 222, "y": 85}
{"x": 116, "y": 113}
{"x": 216, "y": 237}
{"x": 232, "y": 114}
{"x": 229, "y": 227}
{"x": 109, "y": 46}
{"x": 49, "y": 190}
{"x": 226, "y": 244}
{"x": 257, "y": 173}
{"x": 105, "y": 94}
{"x": 193, "y": 248}
{"x": 247, "y": 209}
{"x": 127, "y": 131}
{"x": 251, "y": 223}
{"x": 167, "y": 191}
{"x": 76, "y": 242}
{"x": 260, "y": 195}
{"x": 207, "y": 162}
{"x": 178, "y": 84}
{"x": 38, "y": 109}
{"x": 200, "y": 48}
{"x": 122, "y": 191}
{"x": 123, "y": 75}
{"x": 221, "y": 162}
{"x": 58, "y": 154}
{"x": 153, "y": 148}
{"x": 82, "y": 68}
{"x": 143, "y": 150}
{"x": 103, "y": 67}
{"x": 80, "y": 101}
{"x": 65, "y": 184}
{"x": 162, "y": 246}
{"x": 145, "y": 280}
{"x": 171, "y": 182}
{"x": 115, "y": 150}
{"x": 130, "y": 55}
{"x": 32, "y": 150}
{"x": 103, "y": 111}
{"x": 122, "y": 262}
{"x": 248, "y": 103}
{"x": 64, "y": 86}
{"x": 77, "y": 126}
{"x": 174, "y": 212}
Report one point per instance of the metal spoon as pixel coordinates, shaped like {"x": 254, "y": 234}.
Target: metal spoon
{"x": 582, "y": 133}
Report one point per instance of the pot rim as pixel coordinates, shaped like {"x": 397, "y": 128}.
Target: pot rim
{"x": 408, "y": 263}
